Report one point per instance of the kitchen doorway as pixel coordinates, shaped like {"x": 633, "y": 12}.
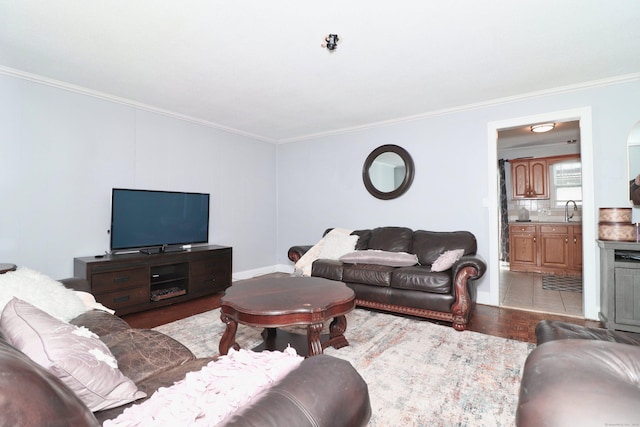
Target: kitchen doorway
{"x": 583, "y": 117}
{"x": 544, "y": 216}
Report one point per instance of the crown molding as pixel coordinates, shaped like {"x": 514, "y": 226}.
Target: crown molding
{"x": 494, "y": 102}
{"x": 484, "y": 104}
{"x": 123, "y": 101}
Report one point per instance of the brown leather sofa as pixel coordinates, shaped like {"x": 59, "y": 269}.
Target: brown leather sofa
{"x": 322, "y": 391}
{"x": 580, "y": 376}
{"x": 448, "y": 296}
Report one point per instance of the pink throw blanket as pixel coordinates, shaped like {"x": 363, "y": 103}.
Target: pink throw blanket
{"x": 207, "y": 397}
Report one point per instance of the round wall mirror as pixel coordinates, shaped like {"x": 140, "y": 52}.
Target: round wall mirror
{"x": 388, "y": 172}
{"x": 633, "y": 154}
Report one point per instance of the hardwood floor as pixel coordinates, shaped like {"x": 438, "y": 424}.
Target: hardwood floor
{"x": 497, "y": 321}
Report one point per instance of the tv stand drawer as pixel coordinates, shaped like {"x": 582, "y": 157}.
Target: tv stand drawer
{"x": 124, "y": 298}
{"x": 116, "y": 280}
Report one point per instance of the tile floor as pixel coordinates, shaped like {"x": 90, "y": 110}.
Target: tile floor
{"x": 524, "y": 291}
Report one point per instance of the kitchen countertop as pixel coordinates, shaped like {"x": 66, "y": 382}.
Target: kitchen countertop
{"x": 545, "y": 222}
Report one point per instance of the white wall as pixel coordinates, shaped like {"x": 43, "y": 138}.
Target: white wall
{"x": 62, "y": 152}
{"x": 320, "y": 184}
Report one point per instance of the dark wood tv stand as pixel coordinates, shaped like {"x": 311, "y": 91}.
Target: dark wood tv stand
{"x": 133, "y": 282}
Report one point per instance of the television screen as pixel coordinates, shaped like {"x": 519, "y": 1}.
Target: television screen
{"x": 144, "y": 218}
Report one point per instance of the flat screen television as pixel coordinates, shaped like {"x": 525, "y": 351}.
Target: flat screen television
{"x": 157, "y": 219}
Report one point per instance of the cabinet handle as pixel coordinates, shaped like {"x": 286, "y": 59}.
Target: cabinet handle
{"x": 575, "y": 241}
{"x": 534, "y": 240}
{"x": 566, "y": 240}
{"x": 121, "y": 279}
{"x": 121, "y": 299}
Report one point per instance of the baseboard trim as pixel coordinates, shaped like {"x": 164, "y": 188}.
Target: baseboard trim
{"x": 248, "y": 274}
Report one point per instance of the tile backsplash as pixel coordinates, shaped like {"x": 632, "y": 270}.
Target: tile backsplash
{"x": 542, "y": 211}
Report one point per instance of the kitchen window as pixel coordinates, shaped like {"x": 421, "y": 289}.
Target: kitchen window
{"x": 566, "y": 182}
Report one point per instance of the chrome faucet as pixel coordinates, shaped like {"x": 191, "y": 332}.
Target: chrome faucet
{"x": 568, "y": 217}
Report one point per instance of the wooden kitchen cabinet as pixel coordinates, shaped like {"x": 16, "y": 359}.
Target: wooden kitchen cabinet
{"x": 523, "y": 246}
{"x": 576, "y": 256}
{"x": 530, "y": 178}
{"x": 554, "y": 246}
{"x": 546, "y": 248}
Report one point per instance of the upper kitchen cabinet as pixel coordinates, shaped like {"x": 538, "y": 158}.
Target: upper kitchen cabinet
{"x": 530, "y": 178}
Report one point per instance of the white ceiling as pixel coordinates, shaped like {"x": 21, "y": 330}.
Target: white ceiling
{"x": 257, "y": 68}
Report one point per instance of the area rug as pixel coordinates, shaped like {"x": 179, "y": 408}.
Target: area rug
{"x": 418, "y": 373}
{"x": 553, "y": 282}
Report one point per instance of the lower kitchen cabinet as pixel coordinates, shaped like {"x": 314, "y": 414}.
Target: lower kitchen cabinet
{"x": 546, "y": 248}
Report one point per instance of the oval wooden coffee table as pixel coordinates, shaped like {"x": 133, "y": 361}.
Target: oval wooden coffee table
{"x": 276, "y": 302}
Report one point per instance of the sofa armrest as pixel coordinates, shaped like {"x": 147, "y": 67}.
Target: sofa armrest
{"x": 464, "y": 271}
{"x": 576, "y": 382}
{"x": 77, "y": 284}
{"x": 296, "y": 252}
{"x": 323, "y": 391}
{"x": 474, "y": 261}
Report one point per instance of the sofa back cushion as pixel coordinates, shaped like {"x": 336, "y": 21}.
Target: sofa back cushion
{"x": 363, "y": 239}
{"x": 392, "y": 239}
{"x": 429, "y": 245}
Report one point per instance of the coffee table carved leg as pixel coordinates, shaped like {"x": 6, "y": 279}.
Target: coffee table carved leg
{"x": 313, "y": 338}
{"x": 228, "y": 339}
{"x": 336, "y": 333}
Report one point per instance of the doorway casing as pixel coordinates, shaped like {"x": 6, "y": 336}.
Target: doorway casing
{"x": 591, "y": 295}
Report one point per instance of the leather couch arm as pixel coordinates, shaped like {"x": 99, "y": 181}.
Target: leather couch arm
{"x": 296, "y": 252}
{"x": 323, "y": 391}
{"x": 576, "y": 382}
{"x": 474, "y": 261}
{"x": 464, "y": 271}
{"x": 77, "y": 284}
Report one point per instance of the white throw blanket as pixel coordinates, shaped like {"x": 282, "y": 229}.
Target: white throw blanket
{"x": 41, "y": 291}
{"x": 303, "y": 266}
{"x": 208, "y": 396}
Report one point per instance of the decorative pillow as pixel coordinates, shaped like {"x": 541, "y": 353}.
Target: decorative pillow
{"x": 336, "y": 245}
{"x": 41, "y": 291}
{"x": 446, "y": 260}
{"x": 73, "y": 354}
{"x": 34, "y": 396}
{"x": 373, "y": 256}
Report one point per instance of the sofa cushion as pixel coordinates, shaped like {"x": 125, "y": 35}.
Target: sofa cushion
{"x": 420, "y": 278}
{"x": 37, "y": 397}
{"x": 73, "y": 354}
{"x": 373, "y": 256}
{"x": 100, "y": 322}
{"x": 327, "y": 269}
{"x": 363, "y": 239}
{"x": 370, "y": 274}
{"x": 392, "y": 239}
{"x": 429, "y": 245}
{"x": 142, "y": 353}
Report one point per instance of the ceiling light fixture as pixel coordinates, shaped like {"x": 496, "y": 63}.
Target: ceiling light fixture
{"x": 331, "y": 42}
{"x": 543, "y": 127}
